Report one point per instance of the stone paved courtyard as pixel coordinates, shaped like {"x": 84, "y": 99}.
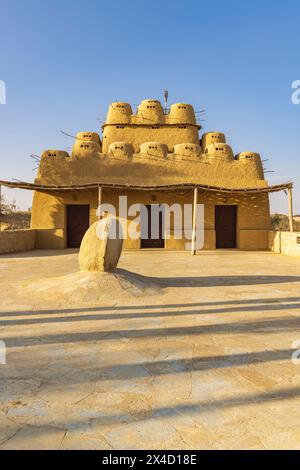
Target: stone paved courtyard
{"x": 171, "y": 352}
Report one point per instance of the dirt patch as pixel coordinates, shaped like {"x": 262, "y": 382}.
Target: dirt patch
{"x": 89, "y": 287}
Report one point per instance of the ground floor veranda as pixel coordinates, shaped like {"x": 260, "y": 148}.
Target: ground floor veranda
{"x": 232, "y": 218}
{"x": 185, "y": 352}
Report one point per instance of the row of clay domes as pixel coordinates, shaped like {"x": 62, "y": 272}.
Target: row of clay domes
{"x": 150, "y": 112}
{"x": 157, "y": 149}
{"x": 207, "y": 139}
{"x": 213, "y": 145}
{"x": 220, "y": 150}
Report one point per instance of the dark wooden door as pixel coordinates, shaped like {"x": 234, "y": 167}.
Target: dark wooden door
{"x": 225, "y": 224}
{"x": 78, "y": 220}
{"x": 150, "y": 239}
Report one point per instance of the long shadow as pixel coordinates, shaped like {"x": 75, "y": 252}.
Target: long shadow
{"x": 119, "y": 372}
{"x": 268, "y": 301}
{"x": 258, "y": 327}
{"x": 136, "y": 370}
{"x": 195, "y": 364}
{"x": 151, "y": 369}
{"x": 160, "y": 314}
{"x": 241, "y": 400}
{"x": 207, "y": 281}
{"x": 165, "y": 412}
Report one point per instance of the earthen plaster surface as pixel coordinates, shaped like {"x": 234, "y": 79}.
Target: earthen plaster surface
{"x": 175, "y": 352}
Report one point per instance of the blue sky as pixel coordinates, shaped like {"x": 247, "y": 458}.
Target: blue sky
{"x": 64, "y": 61}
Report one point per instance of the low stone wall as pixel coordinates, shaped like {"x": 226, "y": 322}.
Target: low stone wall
{"x": 253, "y": 239}
{"x": 49, "y": 239}
{"x": 287, "y": 243}
{"x": 17, "y": 240}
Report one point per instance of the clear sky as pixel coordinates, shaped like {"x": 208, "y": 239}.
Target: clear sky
{"x": 64, "y": 61}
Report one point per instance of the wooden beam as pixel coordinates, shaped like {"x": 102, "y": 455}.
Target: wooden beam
{"x": 290, "y": 201}
{"x": 169, "y": 187}
{"x": 195, "y": 205}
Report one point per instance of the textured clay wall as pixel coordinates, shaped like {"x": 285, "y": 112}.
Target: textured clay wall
{"x": 287, "y": 243}
{"x": 150, "y": 124}
{"x": 137, "y": 135}
{"x": 151, "y": 167}
{"x": 17, "y": 240}
{"x": 49, "y": 216}
{"x": 253, "y": 220}
{"x": 152, "y": 147}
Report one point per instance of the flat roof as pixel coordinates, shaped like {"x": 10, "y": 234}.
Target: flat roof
{"x": 169, "y": 187}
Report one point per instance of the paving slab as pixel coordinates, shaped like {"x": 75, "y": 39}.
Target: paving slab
{"x": 172, "y": 351}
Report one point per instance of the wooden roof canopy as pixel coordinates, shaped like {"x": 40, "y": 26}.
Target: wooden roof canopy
{"x": 130, "y": 187}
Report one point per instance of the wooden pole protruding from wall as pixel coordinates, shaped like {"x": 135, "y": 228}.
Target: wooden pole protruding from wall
{"x": 290, "y": 198}
{"x": 99, "y": 201}
{"x": 195, "y": 205}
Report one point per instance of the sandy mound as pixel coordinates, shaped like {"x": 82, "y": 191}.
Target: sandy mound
{"x": 89, "y": 287}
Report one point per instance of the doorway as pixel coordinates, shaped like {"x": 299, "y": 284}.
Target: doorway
{"x": 152, "y": 227}
{"x": 78, "y": 221}
{"x": 226, "y": 226}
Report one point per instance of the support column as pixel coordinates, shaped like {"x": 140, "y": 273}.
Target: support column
{"x": 290, "y": 198}
{"x": 195, "y": 205}
{"x": 99, "y": 200}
